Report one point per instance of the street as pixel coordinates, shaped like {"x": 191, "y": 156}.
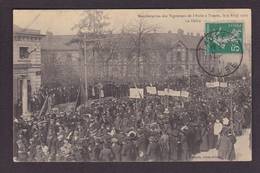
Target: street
{"x": 242, "y": 149}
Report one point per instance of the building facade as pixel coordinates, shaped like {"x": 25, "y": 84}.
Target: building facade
{"x": 159, "y": 56}
{"x": 26, "y": 66}
{"x": 60, "y": 60}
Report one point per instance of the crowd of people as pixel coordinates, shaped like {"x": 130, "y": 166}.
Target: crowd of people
{"x": 153, "y": 128}
{"x": 59, "y": 95}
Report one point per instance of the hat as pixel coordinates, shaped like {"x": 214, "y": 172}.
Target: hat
{"x": 225, "y": 121}
{"x": 131, "y": 134}
{"x": 229, "y": 132}
{"x": 45, "y": 149}
{"x": 166, "y": 111}
{"x": 114, "y": 140}
{"x": 151, "y": 138}
{"x": 184, "y": 128}
{"x": 60, "y": 137}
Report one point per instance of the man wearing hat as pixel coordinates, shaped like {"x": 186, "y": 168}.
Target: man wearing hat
{"x": 164, "y": 146}
{"x": 153, "y": 150}
{"x": 106, "y": 154}
{"x": 129, "y": 149}
{"x": 22, "y": 151}
{"x": 173, "y": 145}
{"x": 226, "y": 150}
{"x": 238, "y": 121}
{"x": 116, "y": 149}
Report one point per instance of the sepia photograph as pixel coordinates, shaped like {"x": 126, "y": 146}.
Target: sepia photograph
{"x": 139, "y": 85}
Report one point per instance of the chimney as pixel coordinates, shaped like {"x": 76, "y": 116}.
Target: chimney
{"x": 169, "y": 32}
{"x": 180, "y": 32}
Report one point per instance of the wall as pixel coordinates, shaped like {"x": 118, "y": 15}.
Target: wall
{"x": 29, "y": 66}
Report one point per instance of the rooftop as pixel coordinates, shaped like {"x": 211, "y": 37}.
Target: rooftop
{"x": 153, "y": 40}
{"x": 27, "y": 31}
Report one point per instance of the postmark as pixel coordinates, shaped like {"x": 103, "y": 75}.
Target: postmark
{"x": 219, "y": 52}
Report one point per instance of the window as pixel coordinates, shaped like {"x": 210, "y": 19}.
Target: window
{"x": 38, "y": 73}
{"x": 178, "y": 56}
{"x": 24, "y": 54}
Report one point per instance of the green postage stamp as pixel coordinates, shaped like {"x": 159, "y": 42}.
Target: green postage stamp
{"x": 224, "y": 38}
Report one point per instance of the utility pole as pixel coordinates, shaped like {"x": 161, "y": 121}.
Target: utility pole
{"x": 86, "y": 70}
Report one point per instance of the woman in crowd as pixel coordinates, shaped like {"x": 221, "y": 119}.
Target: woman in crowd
{"x": 123, "y": 129}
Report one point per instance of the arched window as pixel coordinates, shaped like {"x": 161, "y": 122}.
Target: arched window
{"x": 179, "y": 51}
{"x": 178, "y": 56}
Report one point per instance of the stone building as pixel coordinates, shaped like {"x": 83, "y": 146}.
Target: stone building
{"x": 115, "y": 57}
{"x": 60, "y": 60}
{"x": 26, "y": 65}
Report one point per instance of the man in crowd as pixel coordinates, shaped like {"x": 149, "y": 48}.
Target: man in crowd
{"x": 124, "y": 129}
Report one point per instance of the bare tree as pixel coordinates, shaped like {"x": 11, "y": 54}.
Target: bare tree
{"x": 94, "y": 22}
{"x": 91, "y": 30}
{"x": 138, "y": 35}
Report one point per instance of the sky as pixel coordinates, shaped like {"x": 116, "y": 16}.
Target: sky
{"x": 60, "y": 22}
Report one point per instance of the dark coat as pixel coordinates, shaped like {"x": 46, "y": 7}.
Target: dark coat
{"x": 238, "y": 122}
{"x": 185, "y": 153}
{"x": 153, "y": 152}
{"x": 226, "y": 150}
{"x": 164, "y": 147}
{"x": 106, "y": 155}
{"x": 129, "y": 152}
{"x": 116, "y": 149}
{"x": 173, "y": 144}
{"x": 211, "y": 137}
{"x": 204, "y": 145}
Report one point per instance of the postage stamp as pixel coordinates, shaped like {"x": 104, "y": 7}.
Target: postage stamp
{"x": 222, "y": 48}
{"x": 224, "y": 37}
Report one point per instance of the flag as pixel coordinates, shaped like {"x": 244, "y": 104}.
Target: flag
{"x": 44, "y": 106}
{"x": 78, "y": 100}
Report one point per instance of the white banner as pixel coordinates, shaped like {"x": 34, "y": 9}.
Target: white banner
{"x": 175, "y": 93}
{"x": 171, "y": 92}
{"x": 136, "y": 93}
{"x": 161, "y": 93}
{"x": 212, "y": 84}
{"x": 223, "y": 84}
{"x": 184, "y": 94}
{"x": 151, "y": 90}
